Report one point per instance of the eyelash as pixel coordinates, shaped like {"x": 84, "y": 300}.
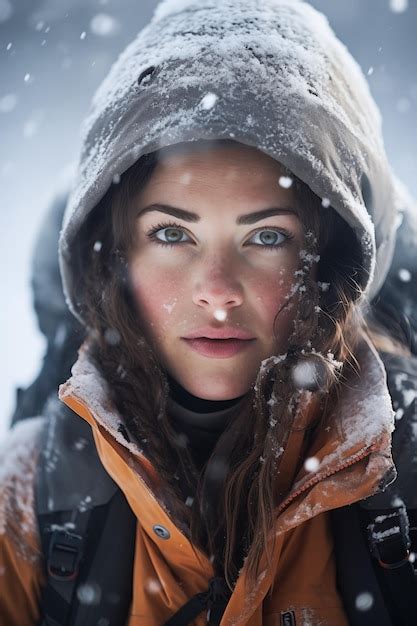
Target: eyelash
{"x": 152, "y": 235}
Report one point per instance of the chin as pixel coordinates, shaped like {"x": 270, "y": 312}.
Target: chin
{"x": 216, "y": 390}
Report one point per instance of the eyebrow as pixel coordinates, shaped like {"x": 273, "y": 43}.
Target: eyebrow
{"x": 188, "y": 216}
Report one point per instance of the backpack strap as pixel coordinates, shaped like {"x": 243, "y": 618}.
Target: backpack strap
{"x": 86, "y": 526}
{"x": 89, "y": 566}
{"x": 355, "y": 572}
{"x": 389, "y": 542}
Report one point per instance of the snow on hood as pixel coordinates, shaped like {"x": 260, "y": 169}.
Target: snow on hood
{"x": 267, "y": 73}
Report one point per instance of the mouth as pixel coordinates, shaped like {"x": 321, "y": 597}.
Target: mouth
{"x": 218, "y": 348}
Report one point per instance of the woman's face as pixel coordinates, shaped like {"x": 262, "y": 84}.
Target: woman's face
{"x": 217, "y": 244}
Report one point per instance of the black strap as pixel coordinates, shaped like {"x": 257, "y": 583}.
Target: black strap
{"x": 63, "y": 549}
{"x": 89, "y": 565}
{"x": 214, "y": 600}
{"x": 355, "y": 571}
{"x": 389, "y": 542}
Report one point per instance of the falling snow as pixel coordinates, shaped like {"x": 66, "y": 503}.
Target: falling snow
{"x": 311, "y": 464}
{"x": 403, "y": 105}
{"x": 364, "y": 601}
{"x": 306, "y": 374}
{"x": 89, "y": 593}
{"x": 323, "y": 286}
{"x": 112, "y": 336}
{"x": 404, "y": 275}
{"x": 398, "y": 6}
{"x": 6, "y": 10}
{"x": 208, "y": 101}
{"x": 152, "y": 585}
{"x": 104, "y": 25}
{"x": 220, "y": 315}
{"x": 8, "y": 103}
{"x": 285, "y": 182}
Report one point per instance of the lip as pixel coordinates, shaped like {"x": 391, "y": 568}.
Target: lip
{"x": 218, "y": 348}
{"x": 226, "y": 332}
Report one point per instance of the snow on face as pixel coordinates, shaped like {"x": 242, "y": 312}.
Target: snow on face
{"x": 220, "y": 271}
{"x": 220, "y": 315}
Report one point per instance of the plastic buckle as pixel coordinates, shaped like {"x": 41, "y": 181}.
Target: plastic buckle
{"x": 65, "y": 551}
{"x": 389, "y": 539}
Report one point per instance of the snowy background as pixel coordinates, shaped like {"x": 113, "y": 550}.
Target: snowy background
{"x": 54, "y": 54}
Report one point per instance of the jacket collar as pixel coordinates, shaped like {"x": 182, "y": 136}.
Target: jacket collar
{"x": 362, "y": 419}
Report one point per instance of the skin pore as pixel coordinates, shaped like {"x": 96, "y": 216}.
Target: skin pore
{"x": 242, "y": 267}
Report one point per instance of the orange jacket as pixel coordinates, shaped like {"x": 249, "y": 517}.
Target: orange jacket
{"x": 354, "y": 459}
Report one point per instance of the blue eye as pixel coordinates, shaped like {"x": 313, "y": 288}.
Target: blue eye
{"x": 266, "y": 238}
{"x": 270, "y": 238}
{"x": 172, "y": 235}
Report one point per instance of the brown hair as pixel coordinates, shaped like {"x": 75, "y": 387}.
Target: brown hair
{"x": 244, "y": 463}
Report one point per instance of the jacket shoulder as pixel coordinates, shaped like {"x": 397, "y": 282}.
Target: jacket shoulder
{"x": 20, "y": 551}
{"x": 401, "y": 374}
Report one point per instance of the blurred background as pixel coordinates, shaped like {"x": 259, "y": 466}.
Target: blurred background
{"x": 54, "y": 54}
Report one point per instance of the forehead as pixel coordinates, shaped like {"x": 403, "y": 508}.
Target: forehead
{"x": 222, "y": 170}
{"x": 236, "y": 157}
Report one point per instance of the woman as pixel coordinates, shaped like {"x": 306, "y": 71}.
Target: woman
{"x": 232, "y": 214}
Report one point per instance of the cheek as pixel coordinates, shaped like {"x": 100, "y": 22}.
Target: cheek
{"x": 156, "y": 294}
{"x": 269, "y": 293}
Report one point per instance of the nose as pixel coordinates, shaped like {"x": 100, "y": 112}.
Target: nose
{"x": 216, "y": 286}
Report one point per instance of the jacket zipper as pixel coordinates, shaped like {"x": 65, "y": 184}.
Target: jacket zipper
{"x": 330, "y": 472}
